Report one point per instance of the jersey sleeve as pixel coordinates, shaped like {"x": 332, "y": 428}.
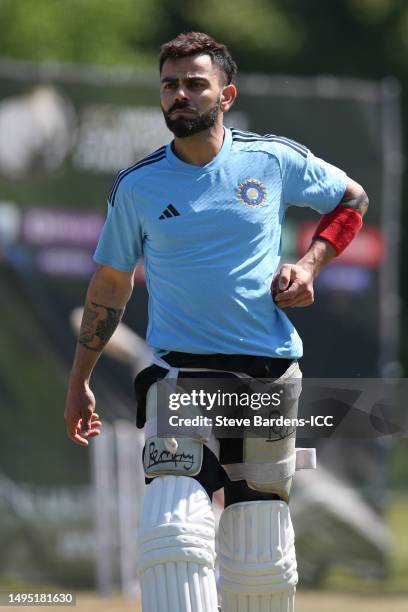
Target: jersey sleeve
{"x": 120, "y": 244}
{"x": 310, "y": 181}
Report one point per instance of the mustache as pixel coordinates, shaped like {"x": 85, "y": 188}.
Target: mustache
{"x": 180, "y": 106}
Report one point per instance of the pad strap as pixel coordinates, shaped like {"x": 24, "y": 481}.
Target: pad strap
{"x": 265, "y": 472}
{"x": 339, "y": 227}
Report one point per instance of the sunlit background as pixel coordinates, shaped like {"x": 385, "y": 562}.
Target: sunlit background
{"x": 78, "y": 102}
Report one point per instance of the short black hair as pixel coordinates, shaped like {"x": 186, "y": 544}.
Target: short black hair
{"x": 198, "y": 43}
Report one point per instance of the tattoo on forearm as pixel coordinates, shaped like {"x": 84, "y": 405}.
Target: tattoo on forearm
{"x": 98, "y": 324}
{"x": 360, "y": 203}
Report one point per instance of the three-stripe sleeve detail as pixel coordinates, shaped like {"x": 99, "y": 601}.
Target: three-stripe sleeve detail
{"x": 240, "y": 136}
{"x": 150, "y": 159}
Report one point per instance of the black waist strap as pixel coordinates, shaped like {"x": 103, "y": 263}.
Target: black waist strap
{"x": 252, "y": 365}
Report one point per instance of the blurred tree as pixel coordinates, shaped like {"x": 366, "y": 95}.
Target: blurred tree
{"x": 262, "y": 28}
{"x": 349, "y": 37}
{"x": 108, "y": 32}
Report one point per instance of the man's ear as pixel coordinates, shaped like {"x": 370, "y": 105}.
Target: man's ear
{"x": 228, "y": 95}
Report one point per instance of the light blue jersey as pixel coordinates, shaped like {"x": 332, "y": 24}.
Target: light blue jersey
{"x": 210, "y": 237}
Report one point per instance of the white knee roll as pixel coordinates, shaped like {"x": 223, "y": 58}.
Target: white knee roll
{"x": 257, "y": 558}
{"x": 177, "y": 547}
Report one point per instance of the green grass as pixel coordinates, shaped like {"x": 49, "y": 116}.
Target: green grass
{"x": 396, "y": 580}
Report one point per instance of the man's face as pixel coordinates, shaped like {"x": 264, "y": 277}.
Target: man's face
{"x": 190, "y": 94}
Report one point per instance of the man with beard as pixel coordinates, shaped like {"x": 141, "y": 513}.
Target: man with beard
{"x": 206, "y": 212}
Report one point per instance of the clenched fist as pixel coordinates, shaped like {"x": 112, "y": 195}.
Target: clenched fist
{"x": 293, "y": 286}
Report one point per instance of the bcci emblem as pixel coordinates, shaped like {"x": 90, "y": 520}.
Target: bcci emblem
{"x": 252, "y": 192}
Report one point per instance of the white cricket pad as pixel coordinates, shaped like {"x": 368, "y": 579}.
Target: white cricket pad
{"x": 177, "y": 547}
{"x": 258, "y": 571}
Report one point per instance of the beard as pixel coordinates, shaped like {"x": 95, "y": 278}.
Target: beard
{"x": 182, "y": 128}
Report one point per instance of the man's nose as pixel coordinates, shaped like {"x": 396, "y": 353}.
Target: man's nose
{"x": 180, "y": 93}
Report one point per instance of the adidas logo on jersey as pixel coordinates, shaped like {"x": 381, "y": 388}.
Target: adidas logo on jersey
{"x": 169, "y": 212}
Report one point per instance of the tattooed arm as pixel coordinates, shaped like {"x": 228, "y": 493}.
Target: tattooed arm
{"x": 108, "y": 294}
{"x": 355, "y": 197}
{"x": 98, "y": 324}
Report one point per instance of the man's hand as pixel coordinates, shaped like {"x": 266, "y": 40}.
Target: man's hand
{"x": 293, "y": 286}
{"x": 80, "y": 416}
